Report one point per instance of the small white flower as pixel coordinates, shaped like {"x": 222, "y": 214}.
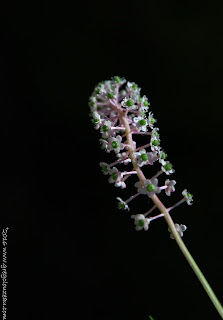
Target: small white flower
{"x": 125, "y": 157}
{"x": 115, "y": 177}
{"x": 141, "y": 123}
{"x": 100, "y": 90}
{"x": 133, "y": 89}
{"x": 188, "y": 197}
{"x": 120, "y": 183}
{"x": 129, "y": 103}
{"x": 118, "y": 80}
{"x": 104, "y": 168}
{"x": 122, "y": 94}
{"x": 92, "y": 103}
{"x": 162, "y": 156}
{"x": 151, "y": 120}
{"x": 149, "y": 187}
{"x": 142, "y": 157}
{"x": 167, "y": 168}
{"x": 144, "y": 104}
{"x": 152, "y": 157}
{"x": 170, "y": 186}
{"x": 105, "y": 128}
{"x": 96, "y": 120}
{"x": 155, "y": 134}
{"x": 180, "y": 229}
{"x": 104, "y": 145}
{"x": 141, "y": 222}
{"x": 115, "y": 144}
{"x": 122, "y": 205}
{"x": 107, "y": 85}
{"x": 154, "y": 143}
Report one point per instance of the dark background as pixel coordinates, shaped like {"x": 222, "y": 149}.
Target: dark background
{"x": 71, "y": 253}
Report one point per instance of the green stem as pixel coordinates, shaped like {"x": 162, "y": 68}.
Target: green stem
{"x": 169, "y": 220}
{"x": 188, "y": 256}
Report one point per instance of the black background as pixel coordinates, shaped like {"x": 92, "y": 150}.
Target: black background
{"x": 71, "y": 253}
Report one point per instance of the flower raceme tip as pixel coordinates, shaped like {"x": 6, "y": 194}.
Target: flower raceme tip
{"x": 121, "y": 114}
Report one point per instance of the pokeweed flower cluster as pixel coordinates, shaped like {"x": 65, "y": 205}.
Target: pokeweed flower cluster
{"x": 120, "y": 112}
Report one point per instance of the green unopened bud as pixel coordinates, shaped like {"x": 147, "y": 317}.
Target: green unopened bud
{"x": 142, "y": 122}
{"x": 155, "y": 133}
{"x": 146, "y": 103}
{"x": 140, "y": 223}
{"x": 130, "y": 103}
{"x": 104, "y": 169}
{"x": 152, "y": 120}
{"x": 114, "y": 144}
{"x": 117, "y": 79}
{"x": 163, "y": 156}
{"x": 155, "y": 143}
{"x": 105, "y": 128}
{"x": 134, "y": 86}
{"x": 110, "y": 95}
{"x": 121, "y": 205}
{"x": 140, "y": 99}
{"x": 114, "y": 176}
{"x": 189, "y": 195}
{"x": 98, "y": 91}
{"x": 168, "y": 166}
{"x": 144, "y": 157}
{"x": 150, "y": 187}
{"x": 96, "y": 120}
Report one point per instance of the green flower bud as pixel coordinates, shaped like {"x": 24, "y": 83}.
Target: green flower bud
{"x": 114, "y": 176}
{"x": 163, "y": 156}
{"x": 105, "y": 128}
{"x": 121, "y": 205}
{"x": 152, "y": 120}
{"x": 104, "y": 169}
{"x": 142, "y": 122}
{"x": 189, "y": 195}
{"x": 168, "y": 166}
{"x": 134, "y": 86}
{"x": 144, "y": 157}
{"x": 98, "y": 91}
{"x": 91, "y": 103}
{"x": 96, "y": 120}
{"x": 130, "y": 103}
{"x": 140, "y": 99}
{"x": 155, "y": 142}
{"x": 140, "y": 223}
{"x": 146, "y": 103}
{"x": 114, "y": 144}
{"x": 155, "y": 133}
{"x": 150, "y": 187}
{"x": 110, "y": 95}
{"x": 117, "y": 79}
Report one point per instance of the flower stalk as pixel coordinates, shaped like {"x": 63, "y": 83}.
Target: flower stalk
{"x": 129, "y": 109}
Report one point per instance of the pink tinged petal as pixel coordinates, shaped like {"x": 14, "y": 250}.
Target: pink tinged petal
{"x": 183, "y": 227}
{"x": 157, "y": 190}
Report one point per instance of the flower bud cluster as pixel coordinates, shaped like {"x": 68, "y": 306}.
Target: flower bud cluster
{"x": 121, "y": 113}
